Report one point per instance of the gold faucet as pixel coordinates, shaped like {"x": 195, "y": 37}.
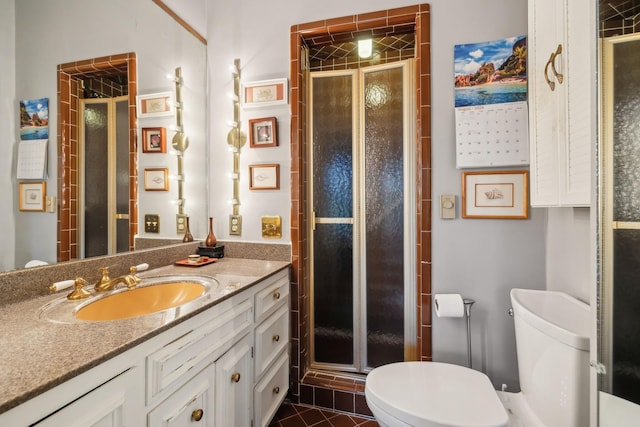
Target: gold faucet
{"x": 105, "y": 283}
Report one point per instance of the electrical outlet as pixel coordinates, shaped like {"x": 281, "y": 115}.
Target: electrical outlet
{"x": 151, "y": 223}
{"x": 181, "y": 223}
{"x": 235, "y": 225}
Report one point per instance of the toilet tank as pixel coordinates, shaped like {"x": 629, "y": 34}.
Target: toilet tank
{"x": 552, "y": 341}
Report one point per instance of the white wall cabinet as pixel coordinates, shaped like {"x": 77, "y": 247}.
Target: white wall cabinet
{"x": 198, "y": 373}
{"x": 562, "y": 91}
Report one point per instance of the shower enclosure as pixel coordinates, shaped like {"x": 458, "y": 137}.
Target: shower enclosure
{"x": 362, "y": 241}
{"x": 619, "y": 334}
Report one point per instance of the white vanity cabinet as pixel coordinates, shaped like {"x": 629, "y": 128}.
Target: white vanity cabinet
{"x": 562, "y": 89}
{"x": 205, "y": 371}
{"x": 113, "y": 404}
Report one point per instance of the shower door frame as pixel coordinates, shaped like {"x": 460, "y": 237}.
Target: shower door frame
{"x": 359, "y": 227}
{"x": 113, "y": 215}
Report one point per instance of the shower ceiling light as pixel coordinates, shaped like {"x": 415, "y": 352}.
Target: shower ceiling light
{"x": 365, "y": 46}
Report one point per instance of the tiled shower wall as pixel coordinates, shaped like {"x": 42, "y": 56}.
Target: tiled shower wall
{"x": 331, "y": 390}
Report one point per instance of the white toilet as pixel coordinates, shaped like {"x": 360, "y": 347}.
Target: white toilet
{"x": 552, "y": 340}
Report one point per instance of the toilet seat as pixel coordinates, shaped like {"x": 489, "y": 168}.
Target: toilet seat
{"x": 432, "y": 394}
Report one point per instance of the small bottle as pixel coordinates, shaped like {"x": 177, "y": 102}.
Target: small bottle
{"x": 187, "y": 232}
{"x": 211, "y": 240}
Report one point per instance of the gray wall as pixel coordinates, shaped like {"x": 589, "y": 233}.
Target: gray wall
{"x": 8, "y": 185}
{"x": 482, "y": 259}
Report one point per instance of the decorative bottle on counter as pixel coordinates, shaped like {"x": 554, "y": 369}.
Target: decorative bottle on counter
{"x": 187, "y": 232}
{"x": 211, "y": 240}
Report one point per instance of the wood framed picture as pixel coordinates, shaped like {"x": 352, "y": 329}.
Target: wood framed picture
{"x": 156, "y": 179}
{"x": 263, "y": 132}
{"x": 155, "y": 105}
{"x": 32, "y": 196}
{"x": 265, "y": 93}
{"x": 154, "y": 140}
{"x": 264, "y": 177}
{"x": 495, "y": 194}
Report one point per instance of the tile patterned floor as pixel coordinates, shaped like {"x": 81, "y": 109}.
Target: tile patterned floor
{"x": 290, "y": 415}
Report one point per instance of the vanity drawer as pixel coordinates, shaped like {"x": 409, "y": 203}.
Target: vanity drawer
{"x": 271, "y": 391}
{"x": 272, "y": 336}
{"x": 169, "y": 364}
{"x": 275, "y": 294}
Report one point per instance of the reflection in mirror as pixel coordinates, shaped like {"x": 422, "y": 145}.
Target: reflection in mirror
{"x": 49, "y": 33}
{"x": 619, "y": 335}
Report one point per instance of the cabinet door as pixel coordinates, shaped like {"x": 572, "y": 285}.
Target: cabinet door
{"x": 234, "y": 379}
{"x": 546, "y": 115}
{"x": 191, "y": 405}
{"x": 113, "y": 404}
{"x": 580, "y": 107}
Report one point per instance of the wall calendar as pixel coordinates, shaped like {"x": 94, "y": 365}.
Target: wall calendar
{"x": 491, "y": 103}
{"x": 492, "y": 135}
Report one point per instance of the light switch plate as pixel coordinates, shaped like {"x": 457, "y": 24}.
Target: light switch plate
{"x": 151, "y": 223}
{"x": 448, "y": 206}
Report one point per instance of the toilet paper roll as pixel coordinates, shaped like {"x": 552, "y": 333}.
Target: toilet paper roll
{"x": 449, "y": 305}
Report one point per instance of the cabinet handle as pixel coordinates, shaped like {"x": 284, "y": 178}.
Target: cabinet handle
{"x": 559, "y": 76}
{"x": 276, "y": 390}
{"x": 197, "y": 415}
{"x": 235, "y": 377}
{"x": 276, "y": 338}
{"x": 552, "y": 85}
{"x": 276, "y": 295}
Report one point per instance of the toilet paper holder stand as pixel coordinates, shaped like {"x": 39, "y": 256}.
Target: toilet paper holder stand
{"x": 468, "y": 302}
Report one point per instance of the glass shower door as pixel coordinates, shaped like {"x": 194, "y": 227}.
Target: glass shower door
{"x": 620, "y": 228}
{"x": 360, "y": 157}
{"x": 104, "y": 184}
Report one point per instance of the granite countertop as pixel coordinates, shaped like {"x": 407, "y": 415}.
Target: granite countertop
{"x": 38, "y": 354}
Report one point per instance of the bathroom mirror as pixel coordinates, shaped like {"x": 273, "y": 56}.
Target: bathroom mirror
{"x": 53, "y": 32}
{"x": 619, "y": 224}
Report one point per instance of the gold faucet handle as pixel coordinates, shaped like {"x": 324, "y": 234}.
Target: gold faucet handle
{"x": 79, "y": 292}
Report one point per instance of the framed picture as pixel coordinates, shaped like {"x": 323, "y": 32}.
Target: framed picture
{"x": 495, "y": 194}
{"x": 265, "y": 92}
{"x": 264, "y": 177}
{"x": 263, "y": 132}
{"x": 154, "y": 140}
{"x": 32, "y": 196}
{"x": 155, "y": 105}
{"x": 156, "y": 179}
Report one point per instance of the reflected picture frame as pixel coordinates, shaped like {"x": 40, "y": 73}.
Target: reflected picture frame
{"x": 495, "y": 194}
{"x": 31, "y": 196}
{"x": 263, "y": 132}
{"x": 264, "y": 177}
{"x": 156, "y": 179}
{"x": 155, "y": 105}
{"x": 265, "y": 93}
{"x": 154, "y": 140}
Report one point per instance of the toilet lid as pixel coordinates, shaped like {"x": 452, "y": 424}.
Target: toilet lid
{"x": 432, "y": 394}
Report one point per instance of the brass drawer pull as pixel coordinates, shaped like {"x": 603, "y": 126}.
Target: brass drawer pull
{"x": 276, "y": 338}
{"x": 559, "y": 76}
{"x": 276, "y": 295}
{"x": 552, "y": 85}
{"x": 276, "y": 390}
{"x": 197, "y": 415}
{"x": 235, "y": 377}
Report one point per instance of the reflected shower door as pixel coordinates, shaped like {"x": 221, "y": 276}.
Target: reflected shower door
{"x": 361, "y": 216}
{"x": 104, "y": 184}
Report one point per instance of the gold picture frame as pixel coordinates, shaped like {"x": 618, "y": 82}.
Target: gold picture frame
{"x": 495, "y": 194}
{"x": 32, "y": 196}
{"x": 264, "y": 177}
{"x": 156, "y": 179}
